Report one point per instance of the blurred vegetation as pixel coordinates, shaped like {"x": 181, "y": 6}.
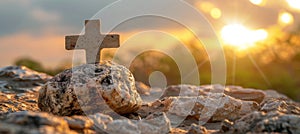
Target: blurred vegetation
{"x": 37, "y": 66}
{"x": 271, "y": 64}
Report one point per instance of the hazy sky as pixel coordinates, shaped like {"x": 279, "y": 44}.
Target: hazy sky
{"x": 36, "y": 29}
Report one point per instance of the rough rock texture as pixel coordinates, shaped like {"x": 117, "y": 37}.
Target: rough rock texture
{"x": 268, "y": 122}
{"x": 19, "y": 88}
{"x": 215, "y": 107}
{"x": 85, "y": 88}
{"x": 20, "y": 79}
{"x": 246, "y": 94}
{"x": 156, "y": 123}
{"x": 142, "y": 89}
{"x": 196, "y": 129}
{"x": 203, "y": 109}
{"x": 280, "y": 105}
{"x": 37, "y": 123}
{"x": 237, "y": 92}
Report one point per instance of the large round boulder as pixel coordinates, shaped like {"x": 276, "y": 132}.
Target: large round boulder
{"x": 89, "y": 89}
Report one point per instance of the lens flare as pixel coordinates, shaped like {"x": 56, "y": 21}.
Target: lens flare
{"x": 257, "y": 2}
{"x": 239, "y": 36}
{"x": 215, "y": 13}
{"x": 285, "y": 18}
{"x": 294, "y": 4}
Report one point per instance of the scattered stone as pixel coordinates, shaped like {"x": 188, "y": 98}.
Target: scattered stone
{"x": 280, "y": 105}
{"x": 20, "y": 73}
{"x": 142, "y": 89}
{"x": 182, "y": 90}
{"x": 38, "y": 123}
{"x": 246, "y": 94}
{"x": 215, "y": 107}
{"x": 10, "y": 103}
{"x": 79, "y": 122}
{"x": 271, "y": 94}
{"x": 88, "y": 89}
{"x": 156, "y": 123}
{"x": 237, "y": 92}
{"x": 259, "y": 122}
{"x": 100, "y": 122}
{"x": 197, "y": 129}
{"x": 20, "y": 79}
{"x": 122, "y": 127}
{"x": 19, "y": 88}
{"x": 226, "y": 126}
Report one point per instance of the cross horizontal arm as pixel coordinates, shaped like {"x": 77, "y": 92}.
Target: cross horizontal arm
{"x": 71, "y": 41}
{"x": 109, "y": 41}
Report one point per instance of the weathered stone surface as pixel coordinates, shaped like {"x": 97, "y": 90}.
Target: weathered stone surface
{"x": 100, "y": 121}
{"x": 79, "y": 122}
{"x": 183, "y": 90}
{"x": 122, "y": 126}
{"x": 258, "y": 122}
{"x": 226, "y": 126}
{"x": 10, "y": 103}
{"x": 19, "y": 88}
{"x": 37, "y": 123}
{"x": 246, "y": 94}
{"x": 280, "y": 105}
{"x": 90, "y": 89}
{"x": 237, "y": 92}
{"x": 215, "y": 107}
{"x": 20, "y": 79}
{"x": 197, "y": 129}
{"x": 142, "y": 89}
{"x": 156, "y": 123}
{"x": 272, "y": 94}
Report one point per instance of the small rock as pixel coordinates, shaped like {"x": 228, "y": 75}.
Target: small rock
{"x": 142, "y": 89}
{"x": 12, "y": 102}
{"x": 259, "y": 122}
{"x": 280, "y": 105}
{"x": 272, "y": 94}
{"x": 91, "y": 89}
{"x": 100, "y": 121}
{"x": 122, "y": 127}
{"x": 79, "y": 122}
{"x": 182, "y": 90}
{"x": 197, "y": 129}
{"x": 156, "y": 123}
{"x": 226, "y": 126}
{"x": 245, "y": 94}
{"x": 22, "y": 73}
{"x": 38, "y": 123}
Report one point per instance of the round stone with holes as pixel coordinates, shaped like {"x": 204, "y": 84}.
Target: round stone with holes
{"x": 89, "y": 89}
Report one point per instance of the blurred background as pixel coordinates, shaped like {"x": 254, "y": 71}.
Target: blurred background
{"x": 260, "y": 38}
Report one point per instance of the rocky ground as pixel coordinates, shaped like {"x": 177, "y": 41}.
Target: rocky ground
{"x": 176, "y": 109}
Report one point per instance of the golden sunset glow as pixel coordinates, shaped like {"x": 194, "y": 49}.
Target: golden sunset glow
{"x": 239, "y": 36}
{"x": 285, "y": 18}
{"x": 294, "y": 4}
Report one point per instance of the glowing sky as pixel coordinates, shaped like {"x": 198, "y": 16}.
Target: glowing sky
{"x": 36, "y": 29}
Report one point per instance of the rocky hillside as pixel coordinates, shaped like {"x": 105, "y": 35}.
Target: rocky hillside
{"x": 32, "y": 102}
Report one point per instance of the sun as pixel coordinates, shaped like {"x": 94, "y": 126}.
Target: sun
{"x": 241, "y": 37}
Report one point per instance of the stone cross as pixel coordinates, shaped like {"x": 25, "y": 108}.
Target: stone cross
{"x": 92, "y": 41}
